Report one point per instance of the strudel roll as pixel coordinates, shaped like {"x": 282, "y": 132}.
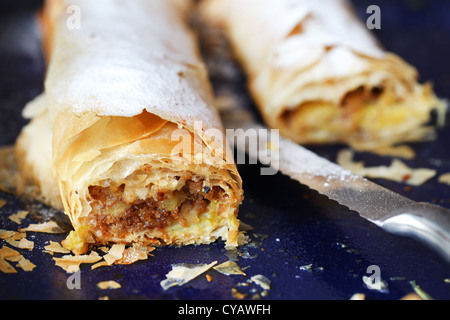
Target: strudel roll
{"x": 317, "y": 73}
{"x": 125, "y": 137}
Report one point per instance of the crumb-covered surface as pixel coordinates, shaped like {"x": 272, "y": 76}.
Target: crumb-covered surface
{"x": 300, "y": 244}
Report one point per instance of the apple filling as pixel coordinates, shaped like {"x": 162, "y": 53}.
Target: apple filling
{"x": 118, "y": 210}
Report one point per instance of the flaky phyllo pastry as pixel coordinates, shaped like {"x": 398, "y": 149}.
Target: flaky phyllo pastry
{"x": 125, "y": 137}
{"x": 317, "y": 74}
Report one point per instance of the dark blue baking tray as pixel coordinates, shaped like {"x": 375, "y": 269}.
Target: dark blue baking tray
{"x": 308, "y": 246}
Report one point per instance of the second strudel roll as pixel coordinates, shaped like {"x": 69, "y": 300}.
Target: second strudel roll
{"x": 317, "y": 73}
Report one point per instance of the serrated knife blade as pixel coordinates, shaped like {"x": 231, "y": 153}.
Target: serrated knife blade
{"x": 427, "y": 223}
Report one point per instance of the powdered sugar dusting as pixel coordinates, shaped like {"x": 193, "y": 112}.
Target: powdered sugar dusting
{"x": 127, "y": 57}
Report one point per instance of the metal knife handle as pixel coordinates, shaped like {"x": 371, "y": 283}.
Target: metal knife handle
{"x": 426, "y": 223}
